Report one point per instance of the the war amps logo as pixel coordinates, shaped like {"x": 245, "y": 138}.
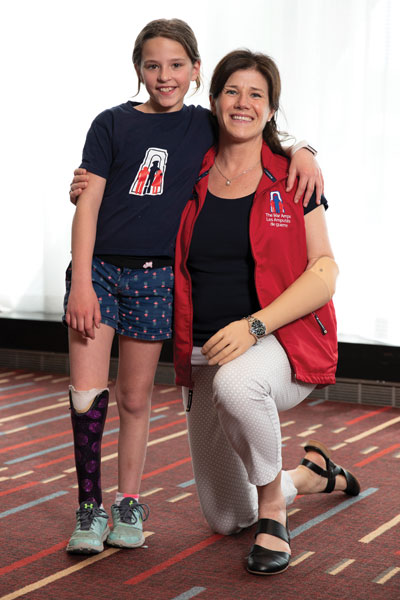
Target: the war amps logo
{"x": 275, "y": 215}
{"x": 149, "y": 179}
{"x": 275, "y": 203}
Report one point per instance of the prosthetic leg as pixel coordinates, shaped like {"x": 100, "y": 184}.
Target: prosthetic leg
{"x": 88, "y": 415}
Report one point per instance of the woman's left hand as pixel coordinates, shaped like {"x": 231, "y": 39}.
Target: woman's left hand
{"x": 228, "y": 343}
{"x": 304, "y": 166}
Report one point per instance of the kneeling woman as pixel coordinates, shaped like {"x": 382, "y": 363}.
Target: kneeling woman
{"x": 252, "y": 268}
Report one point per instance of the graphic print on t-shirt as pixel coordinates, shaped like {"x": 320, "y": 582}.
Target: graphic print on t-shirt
{"x": 149, "y": 179}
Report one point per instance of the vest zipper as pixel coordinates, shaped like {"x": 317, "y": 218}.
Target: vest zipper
{"x": 324, "y": 331}
{"x": 189, "y": 403}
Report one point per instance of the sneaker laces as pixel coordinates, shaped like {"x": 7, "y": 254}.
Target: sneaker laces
{"x": 130, "y": 510}
{"x": 87, "y": 512}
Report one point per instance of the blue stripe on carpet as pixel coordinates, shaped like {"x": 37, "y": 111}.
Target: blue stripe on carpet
{"x": 333, "y": 511}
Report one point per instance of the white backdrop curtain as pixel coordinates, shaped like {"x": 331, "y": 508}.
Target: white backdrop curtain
{"x": 339, "y": 59}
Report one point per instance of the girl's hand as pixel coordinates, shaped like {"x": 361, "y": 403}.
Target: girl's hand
{"x": 228, "y": 343}
{"x": 83, "y": 311}
{"x": 304, "y": 166}
{"x": 78, "y": 184}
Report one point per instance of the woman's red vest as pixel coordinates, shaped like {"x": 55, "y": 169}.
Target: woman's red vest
{"x": 278, "y": 242}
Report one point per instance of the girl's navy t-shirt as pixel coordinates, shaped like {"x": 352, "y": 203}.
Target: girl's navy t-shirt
{"x": 151, "y": 162}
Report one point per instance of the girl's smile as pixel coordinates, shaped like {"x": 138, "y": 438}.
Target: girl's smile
{"x": 166, "y": 70}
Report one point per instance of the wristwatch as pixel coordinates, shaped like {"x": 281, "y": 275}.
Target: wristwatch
{"x": 256, "y": 327}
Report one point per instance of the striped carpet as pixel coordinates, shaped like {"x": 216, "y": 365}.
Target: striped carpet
{"x": 342, "y": 548}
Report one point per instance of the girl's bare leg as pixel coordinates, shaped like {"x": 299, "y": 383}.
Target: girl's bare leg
{"x": 137, "y": 366}
{"x": 90, "y": 359}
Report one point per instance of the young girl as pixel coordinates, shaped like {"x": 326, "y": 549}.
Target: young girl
{"x": 142, "y": 162}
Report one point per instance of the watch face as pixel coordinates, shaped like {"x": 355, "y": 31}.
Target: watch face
{"x": 258, "y": 328}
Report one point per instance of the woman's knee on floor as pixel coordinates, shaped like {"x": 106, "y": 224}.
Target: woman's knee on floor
{"x": 223, "y": 524}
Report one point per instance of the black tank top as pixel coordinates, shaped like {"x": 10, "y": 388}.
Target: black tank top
{"x": 221, "y": 266}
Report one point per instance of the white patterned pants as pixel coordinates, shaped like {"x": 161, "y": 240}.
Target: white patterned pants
{"x": 234, "y": 431}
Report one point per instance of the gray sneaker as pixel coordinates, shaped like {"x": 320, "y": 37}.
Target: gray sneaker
{"x": 91, "y": 530}
{"x": 128, "y": 517}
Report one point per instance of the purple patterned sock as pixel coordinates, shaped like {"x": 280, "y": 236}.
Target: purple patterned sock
{"x": 88, "y": 431}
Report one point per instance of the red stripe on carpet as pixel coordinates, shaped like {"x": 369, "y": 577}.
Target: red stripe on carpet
{"x": 167, "y": 467}
{"x": 368, "y": 415}
{"x": 109, "y": 443}
{"x": 166, "y": 403}
{"x": 44, "y": 439}
{"x": 29, "y": 391}
{"x": 112, "y": 419}
{"x": 377, "y": 455}
{"x": 32, "y": 558}
{"x": 160, "y": 470}
{"x": 20, "y": 487}
{"x": 174, "y": 559}
{"x": 54, "y": 462}
{"x": 167, "y": 425}
{"x": 57, "y": 460}
{"x": 37, "y": 441}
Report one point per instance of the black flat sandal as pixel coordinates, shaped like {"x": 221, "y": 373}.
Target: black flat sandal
{"x": 332, "y": 470}
{"x": 263, "y": 561}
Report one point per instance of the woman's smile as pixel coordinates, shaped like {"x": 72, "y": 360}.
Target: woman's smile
{"x": 242, "y": 108}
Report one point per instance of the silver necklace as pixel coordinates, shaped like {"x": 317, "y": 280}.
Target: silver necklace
{"x": 229, "y": 181}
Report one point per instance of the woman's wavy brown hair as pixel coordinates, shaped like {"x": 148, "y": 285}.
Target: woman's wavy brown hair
{"x": 244, "y": 59}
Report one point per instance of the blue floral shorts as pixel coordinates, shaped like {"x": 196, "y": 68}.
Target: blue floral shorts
{"x": 135, "y": 302}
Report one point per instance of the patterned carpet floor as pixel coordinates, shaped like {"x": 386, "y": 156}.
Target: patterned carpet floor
{"x": 342, "y": 548}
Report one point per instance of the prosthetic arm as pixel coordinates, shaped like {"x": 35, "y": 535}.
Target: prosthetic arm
{"x": 314, "y": 288}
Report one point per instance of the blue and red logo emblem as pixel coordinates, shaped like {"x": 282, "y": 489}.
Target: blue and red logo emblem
{"x": 276, "y": 203}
